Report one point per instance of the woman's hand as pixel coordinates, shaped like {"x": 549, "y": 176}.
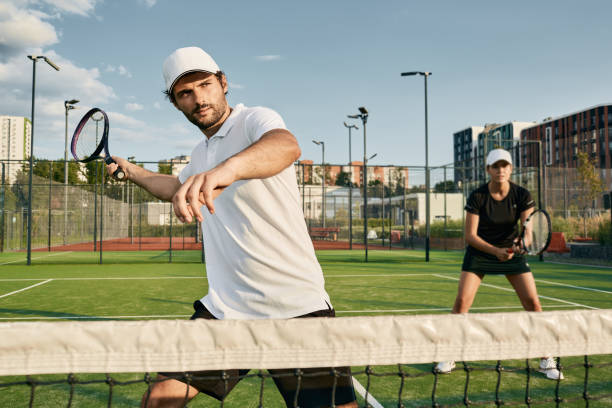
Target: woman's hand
{"x": 504, "y": 254}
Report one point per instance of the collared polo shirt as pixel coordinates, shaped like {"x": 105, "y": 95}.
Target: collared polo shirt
{"x": 260, "y": 262}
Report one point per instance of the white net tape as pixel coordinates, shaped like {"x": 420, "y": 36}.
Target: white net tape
{"x": 169, "y": 345}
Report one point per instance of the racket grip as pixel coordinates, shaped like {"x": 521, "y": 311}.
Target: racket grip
{"x": 119, "y": 174}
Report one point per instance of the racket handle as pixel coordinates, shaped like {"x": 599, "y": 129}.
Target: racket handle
{"x": 119, "y": 174}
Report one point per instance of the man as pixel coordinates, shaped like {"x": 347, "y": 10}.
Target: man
{"x": 241, "y": 185}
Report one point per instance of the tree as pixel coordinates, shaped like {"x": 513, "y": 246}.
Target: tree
{"x": 445, "y": 186}
{"x": 343, "y": 179}
{"x": 591, "y": 183}
{"x": 589, "y": 179}
{"x": 164, "y": 168}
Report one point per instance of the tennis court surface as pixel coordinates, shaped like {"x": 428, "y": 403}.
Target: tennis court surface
{"x": 393, "y": 324}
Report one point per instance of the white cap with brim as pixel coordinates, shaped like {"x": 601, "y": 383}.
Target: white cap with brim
{"x": 498, "y": 155}
{"x": 184, "y": 61}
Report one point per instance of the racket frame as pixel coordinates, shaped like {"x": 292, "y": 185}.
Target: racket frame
{"x": 524, "y": 229}
{"x": 119, "y": 174}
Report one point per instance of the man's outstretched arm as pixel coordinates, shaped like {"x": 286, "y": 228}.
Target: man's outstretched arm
{"x": 162, "y": 186}
{"x": 272, "y": 153}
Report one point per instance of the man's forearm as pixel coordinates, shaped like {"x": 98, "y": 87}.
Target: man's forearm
{"x": 271, "y": 154}
{"x": 162, "y": 186}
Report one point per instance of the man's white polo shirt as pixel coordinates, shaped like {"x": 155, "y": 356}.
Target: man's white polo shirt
{"x": 260, "y": 261}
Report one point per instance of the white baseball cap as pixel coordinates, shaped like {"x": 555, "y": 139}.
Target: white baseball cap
{"x": 496, "y": 155}
{"x": 184, "y": 61}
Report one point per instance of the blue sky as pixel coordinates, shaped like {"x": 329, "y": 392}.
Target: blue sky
{"x": 314, "y": 62}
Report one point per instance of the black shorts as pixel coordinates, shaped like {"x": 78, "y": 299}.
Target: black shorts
{"x": 312, "y": 390}
{"x": 482, "y": 263}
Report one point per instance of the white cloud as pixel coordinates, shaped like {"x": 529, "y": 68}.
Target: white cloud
{"x": 78, "y": 82}
{"x": 134, "y": 106}
{"x": 119, "y": 119}
{"x": 157, "y": 105}
{"x": 22, "y": 29}
{"x": 121, "y": 70}
{"x": 80, "y": 7}
{"x": 234, "y": 85}
{"x": 148, "y": 3}
{"x": 266, "y": 58}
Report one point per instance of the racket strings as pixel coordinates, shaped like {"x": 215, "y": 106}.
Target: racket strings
{"x": 89, "y": 139}
{"x": 540, "y": 230}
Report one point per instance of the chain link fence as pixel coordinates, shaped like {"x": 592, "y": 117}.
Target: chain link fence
{"x": 95, "y": 213}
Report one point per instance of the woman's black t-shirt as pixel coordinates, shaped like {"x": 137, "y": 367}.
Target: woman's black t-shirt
{"x": 497, "y": 223}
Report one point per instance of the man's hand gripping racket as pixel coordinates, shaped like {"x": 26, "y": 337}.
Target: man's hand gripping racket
{"x": 91, "y": 137}
{"x": 535, "y": 234}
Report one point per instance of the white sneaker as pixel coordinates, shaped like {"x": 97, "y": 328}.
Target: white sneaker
{"x": 548, "y": 366}
{"x": 445, "y": 367}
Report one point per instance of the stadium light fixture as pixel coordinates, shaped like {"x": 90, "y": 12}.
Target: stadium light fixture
{"x": 322, "y": 144}
{"x": 34, "y": 59}
{"x": 425, "y": 75}
{"x": 350, "y": 186}
{"x": 363, "y": 115}
{"x": 68, "y": 105}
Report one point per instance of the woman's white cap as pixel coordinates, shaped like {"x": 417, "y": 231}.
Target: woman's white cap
{"x": 184, "y": 61}
{"x": 496, "y": 155}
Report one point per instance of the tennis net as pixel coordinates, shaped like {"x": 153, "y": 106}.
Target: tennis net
{"x": 391, "y": 359}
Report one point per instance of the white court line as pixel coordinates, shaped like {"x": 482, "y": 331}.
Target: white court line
{"x": 578, "y": 264}
{"x": 574, "y": 287}
{"x": 107, "y": 278}
{"x": 378, "y": 275}
{"x": 38, "y": 257}
{"x": 196, "y": 277}
{"x": 512, "y": 290}
{"x": 184, "y": 316}
{"x": 93, "y": 317}
{"x": 371, "y": 401}
{"x": 29, "y": 287}
{"x": 438, "y": 309}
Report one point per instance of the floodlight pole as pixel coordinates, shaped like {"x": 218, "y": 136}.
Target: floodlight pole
{"x": 68, "y": 105}
{"x": 363, "y": 115}
{"x": 425, "y": 75}
{"x": 34, "y": 58}
{"x": 322, "y": 144}
{"x": 350, "y": 200}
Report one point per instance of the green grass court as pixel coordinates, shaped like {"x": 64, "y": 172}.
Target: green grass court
{"x": 137, "y": 286}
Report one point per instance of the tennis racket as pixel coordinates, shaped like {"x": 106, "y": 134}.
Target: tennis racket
{"x": 536, "y": 233}
{"x": 91, "y": 137}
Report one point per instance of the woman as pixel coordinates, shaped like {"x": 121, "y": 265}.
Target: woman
{"x": 492, "y": 212}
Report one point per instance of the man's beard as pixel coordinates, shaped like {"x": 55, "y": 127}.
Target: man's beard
{"x": 217, "y": 110}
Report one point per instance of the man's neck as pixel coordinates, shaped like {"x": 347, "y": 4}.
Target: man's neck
{"x": 210, "y": 132}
